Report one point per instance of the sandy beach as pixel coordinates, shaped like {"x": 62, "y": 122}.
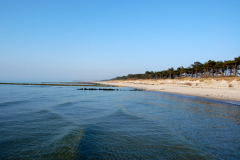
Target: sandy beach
{"x": 218, "y": 88}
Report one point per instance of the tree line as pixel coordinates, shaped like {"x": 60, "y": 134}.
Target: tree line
{"x": 210, "y": 68}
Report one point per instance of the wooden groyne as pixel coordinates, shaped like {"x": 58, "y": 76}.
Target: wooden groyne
{"x": 108, "y": 89}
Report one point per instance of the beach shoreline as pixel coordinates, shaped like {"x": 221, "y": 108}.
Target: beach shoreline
{"x": 225, "y": 90}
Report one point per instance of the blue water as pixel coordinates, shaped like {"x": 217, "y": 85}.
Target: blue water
{"x": 52, "y": 122}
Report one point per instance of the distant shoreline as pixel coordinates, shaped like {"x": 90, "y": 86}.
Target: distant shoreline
{"x": 59, "y": 84}
{"x": 226, "y": 90}
{"x": 205, "y": 88}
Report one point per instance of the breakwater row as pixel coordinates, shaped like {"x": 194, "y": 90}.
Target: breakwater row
{"x": 108, "y": 89}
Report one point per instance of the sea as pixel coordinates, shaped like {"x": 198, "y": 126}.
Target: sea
{"x": 64, "y": 122}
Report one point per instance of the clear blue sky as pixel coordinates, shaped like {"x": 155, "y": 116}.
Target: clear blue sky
{"x": 65, "y": 40}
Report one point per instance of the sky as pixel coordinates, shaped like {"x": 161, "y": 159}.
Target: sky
{"x": 86, "y": 40}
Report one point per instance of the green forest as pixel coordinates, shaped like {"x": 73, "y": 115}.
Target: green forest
{"x": 210, "y": 68}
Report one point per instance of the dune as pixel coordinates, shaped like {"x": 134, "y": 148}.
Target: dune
{"x": 225, "y": 88}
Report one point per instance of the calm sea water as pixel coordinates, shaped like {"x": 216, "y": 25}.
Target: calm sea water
{"x": 52, "y": 122}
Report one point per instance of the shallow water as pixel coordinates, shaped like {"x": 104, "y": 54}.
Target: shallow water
{"x": 52, "y": 122}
